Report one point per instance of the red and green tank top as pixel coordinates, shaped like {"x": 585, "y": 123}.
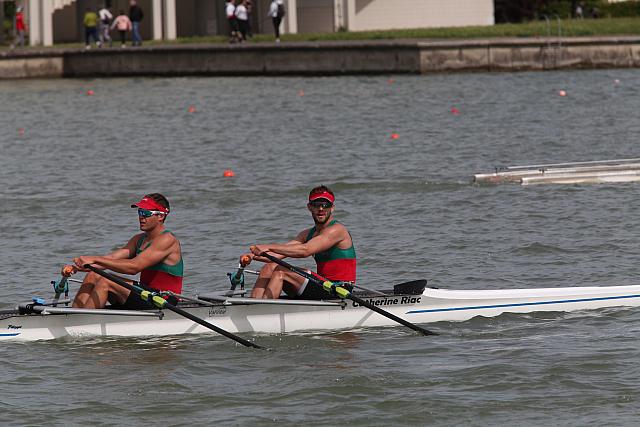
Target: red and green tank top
{"x": 335, "y": 264}
{"x": 161, "y": 276}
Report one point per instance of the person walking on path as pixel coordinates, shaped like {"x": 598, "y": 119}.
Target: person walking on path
{"x": 123, "y": 24}
{"x": 106, "y": 17}
{"x": 276, "y": 12}
{"x": 135, "y": 15}
{"x": 230, "y": 11}
{"x": 243, "y": 19}
{"x": 249, "y": 5}
{"x": 21, "y": 28}
{"x": 91, "y": 28}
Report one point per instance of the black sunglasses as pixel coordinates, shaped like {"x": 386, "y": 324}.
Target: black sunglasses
{"x": 319, "y": 204}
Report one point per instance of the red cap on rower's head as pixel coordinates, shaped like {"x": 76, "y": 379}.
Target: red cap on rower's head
{"x": 148, "y": 203}
{"x": 322, "y": 192}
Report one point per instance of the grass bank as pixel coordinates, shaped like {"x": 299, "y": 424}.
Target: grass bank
{"x": 569, "y": 28}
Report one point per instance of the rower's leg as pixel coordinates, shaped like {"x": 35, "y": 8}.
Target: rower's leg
{"x": 95, "y": 291}
{"x": 263, "y": 280}
{"x": 283, "y": 278}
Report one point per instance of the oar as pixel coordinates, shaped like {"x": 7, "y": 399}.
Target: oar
{"x": 344, "y": 293}
{"x": 160, "y": 302}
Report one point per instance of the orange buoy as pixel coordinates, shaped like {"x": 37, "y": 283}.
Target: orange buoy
{"x": 228, "y": 173}
{"x": 90, "y": 92}
{"x": 192, "y": 109}
{"x": 562, "y": 93}
{"x": 395, "y": 136}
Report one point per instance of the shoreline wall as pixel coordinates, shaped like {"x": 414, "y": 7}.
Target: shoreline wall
{"x": 326, "y": 58}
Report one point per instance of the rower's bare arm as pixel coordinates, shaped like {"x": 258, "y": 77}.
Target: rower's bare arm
{"x": 127, "y": 251}
{"x": 325, "y": 240}
{"x": 159, "y": 250}
{"x": 256, "y": 250}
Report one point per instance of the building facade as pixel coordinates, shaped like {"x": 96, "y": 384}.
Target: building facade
{"x": 60, "y": 21}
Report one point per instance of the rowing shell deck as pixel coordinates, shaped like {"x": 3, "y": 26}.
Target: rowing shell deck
{"x": 245, "y": 315}
{"x": 605, "y": 171}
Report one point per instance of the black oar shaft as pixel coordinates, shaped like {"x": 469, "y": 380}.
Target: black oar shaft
{"x": 391, "y": 316}
{"x": 164, "y": 304}
{"x": 344, "y": 293}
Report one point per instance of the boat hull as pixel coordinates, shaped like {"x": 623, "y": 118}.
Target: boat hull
{"x": 433, "y": 305}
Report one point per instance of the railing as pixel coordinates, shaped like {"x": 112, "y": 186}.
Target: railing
{"x": 554, "y": 50}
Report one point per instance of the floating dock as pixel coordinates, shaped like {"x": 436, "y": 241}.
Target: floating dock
{"x": 594, "y": 172}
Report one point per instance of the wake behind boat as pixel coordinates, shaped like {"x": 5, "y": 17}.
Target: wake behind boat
{"x": 411, "y": 301}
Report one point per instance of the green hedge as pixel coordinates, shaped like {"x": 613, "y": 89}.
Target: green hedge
{"x": 620, "y": 10}
{"x": 525, "y": 10}
{"x": 566, "y": 8}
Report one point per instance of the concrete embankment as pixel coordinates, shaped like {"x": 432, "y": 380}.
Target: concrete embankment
{"x": 327, "y": 58}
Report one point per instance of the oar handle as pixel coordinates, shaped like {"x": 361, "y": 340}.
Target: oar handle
{"x": 344, "y": 293}
{"x": 160, "y": 302}
{"x": 300, "y": 271}
{"x": 237, "y": 278}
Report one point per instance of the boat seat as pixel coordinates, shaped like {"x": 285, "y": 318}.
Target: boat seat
{"x": 414, "y": 287}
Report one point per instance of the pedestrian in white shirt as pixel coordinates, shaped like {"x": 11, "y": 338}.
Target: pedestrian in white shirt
{"x": 230, "y": 11}
{"x": 243, "y": 19}
{"x": 105, "y": 16}
{"x": 276, "y": 12}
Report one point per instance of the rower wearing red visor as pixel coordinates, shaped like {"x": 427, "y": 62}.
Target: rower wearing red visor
{"x": 155, "y": 254}
{"x": 328, "y": 241}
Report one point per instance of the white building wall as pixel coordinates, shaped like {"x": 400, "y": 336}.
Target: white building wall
{"x": 396, "y": 14}
{"x": 315, "y": 16}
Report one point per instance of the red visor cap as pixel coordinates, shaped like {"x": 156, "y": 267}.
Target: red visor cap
{"x": 324, "y": 195}
{"x": 150, "y": 204}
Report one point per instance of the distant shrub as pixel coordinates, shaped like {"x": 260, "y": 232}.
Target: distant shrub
{"x": 621, "y": 9}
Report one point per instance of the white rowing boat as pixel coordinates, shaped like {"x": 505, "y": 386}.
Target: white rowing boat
{"x": 412, "y": 302}
{"x": 593, "y": 172}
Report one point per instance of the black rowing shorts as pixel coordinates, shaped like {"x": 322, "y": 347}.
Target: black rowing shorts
{"x": 317, "y": 292}
{"x": 134, "y": 302}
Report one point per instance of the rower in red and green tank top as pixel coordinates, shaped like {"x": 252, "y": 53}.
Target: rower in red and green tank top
{"x": 161, "y": 276}
{"x": 335, "y": 264}
{"x": 155, "y": 254}
{"x": 329, "y": 242}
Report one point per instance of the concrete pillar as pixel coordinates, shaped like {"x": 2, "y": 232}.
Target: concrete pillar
{"x": 170, "y": 26}
{"x": 2, "y": 20}
{"x": 338, "y": 15}
{"x": 156, "y": 6}
{"x": 33, "y": 9}
{"x": 47, "y": 23}
{"x": 350, "y": 15}
{"x": 291, "y": 18}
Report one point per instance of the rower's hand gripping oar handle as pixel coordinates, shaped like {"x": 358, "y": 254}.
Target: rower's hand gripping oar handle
{"x": 160, "y": 302}
{"x": 329, "y": 286}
